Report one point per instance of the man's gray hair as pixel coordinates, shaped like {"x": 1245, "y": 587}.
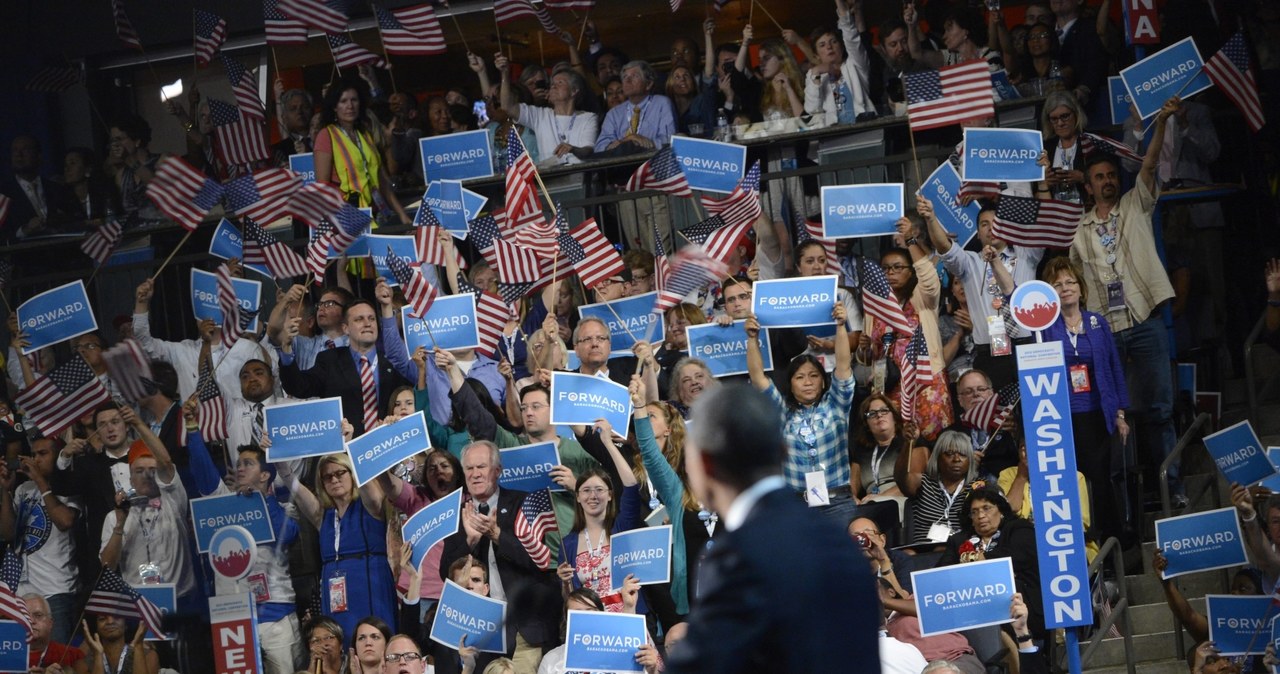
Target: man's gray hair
{"x": 645, "y": 69}
{"x": 495, "y": 456}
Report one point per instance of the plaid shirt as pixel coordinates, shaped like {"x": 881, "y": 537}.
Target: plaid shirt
{"x": 817, "y": 436}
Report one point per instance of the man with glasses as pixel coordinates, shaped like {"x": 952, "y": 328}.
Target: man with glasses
{"x": 592, "y": 344}
{"x": 46, "y": 655}
{"x": 995, "y": 452}
{"x": 488, "y": 533}
{"x": 989, "y": 277}
{"x": 403, "y": 656}
{"x": 320, "y": 326}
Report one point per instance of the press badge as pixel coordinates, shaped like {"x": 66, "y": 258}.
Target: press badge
{"x": 939, "y": 532}
{"x": 258, "y": 586}
{"x": 815, "y": 489}
{"x": 1000, "y": 345}
{"x": 338, "y": 593}
{"x": 1080, "y": 378}
{"x": 1115, "y": 296}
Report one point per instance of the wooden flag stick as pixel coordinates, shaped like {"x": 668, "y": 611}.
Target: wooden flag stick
{"x": 461, "y": 34}
{"x": 766, "y": 13}
{"x": 582, "y": 32}
{"x": 498, "y": 29}
{"x": 915, "y": 160}
{"x": 171, "y": 254}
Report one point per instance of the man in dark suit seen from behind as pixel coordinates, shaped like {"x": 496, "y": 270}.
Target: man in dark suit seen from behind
{"x": 784, "y": 590}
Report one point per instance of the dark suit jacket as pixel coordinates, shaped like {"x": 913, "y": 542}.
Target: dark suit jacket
{"x": 1082, "y": 50}
{"x": 334, "y": 374}
{"x": 533, "y": 595}
{"x": 778, "y": 594}
{"x": 21, "y": 210}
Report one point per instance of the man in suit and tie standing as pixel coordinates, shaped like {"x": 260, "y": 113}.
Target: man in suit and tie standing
{"x": 488, "y": 533}
{"x": 783, "y": 590}
{"x": 360, "y": 375}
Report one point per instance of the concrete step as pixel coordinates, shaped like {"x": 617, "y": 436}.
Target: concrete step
{"x": 1146, "y": 589}
{"x": 1146, "y": 648}
{"x": 1169, "y": 666}
{"x": 1147, "y": 618}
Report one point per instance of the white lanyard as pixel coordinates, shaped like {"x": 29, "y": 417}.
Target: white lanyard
{"x": 337, "y": 532}
{"x": 119, "y": 665}
{"x": 877, "y": 456}
{"x": 951, "y": 498}
{"x": 563, "y": 136}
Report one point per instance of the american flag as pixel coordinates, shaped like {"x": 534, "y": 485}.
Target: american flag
{"x": 426, "y": 239}
{"x": 948, "y": 96}
{"x": 569, "y": 4}
{"x": 211, "y": 412}
{"x": 716, "y": 236}
{"x": 533, "y": 521}
{"x": 492, "y": 314}
{"x": 522, "y": 196}
{"x": 129, "y": 369}
{"x": 5, "y": 203}
{"x": 103, "y": 241}
{"x": 661, "y": 172}
{"x": 515, "y": 264}
{"x": 991, "y": 413}
{"x": 976, "y": 189}
{"x": 281, "y": 30}
{"x": 53, "y": 79}
{"x": 675, "y": 5}
{"x": 1091, "y": 143}
{"x": 12, "y": 607}
{"x": 417, "y": 290}
{"x": 483, "y": 233}
{"x": 1230, "y": 70}
{"x": 510, "y": 10}
{"x": 263, "y": 249}
{"x": 244, "y": 85}
{"x": 124, "y": 27}
{"x": 232, "y": 325}
{"x": 182, "y": 192}
{"x": 315, "y": 14}
{"x": 878, "y": 299}
{"x": 239, "y": 136}
{"x": 1047, "y": 223}
{"x": 56, "y": 400}
{"x": 691, "y": 269}
{"x": 316, "y": 202}
{"x": 347, "y": 53}
{"x": 742, "y": 204}
{"x": 512, "y": 292}
{"x": 210, "y": 33}
{"x": 592, "y": 256}
{"x": 540, "y": 237}
{"x": 352, "y": 223}
{"x": 411, "y": 31}
{"x": 262, "y": 195}
{"x": 113, "y": 596}
{"x": 318, "y": 250}
{"x": 661, "y": 265}
{"x": 917, "y": 373}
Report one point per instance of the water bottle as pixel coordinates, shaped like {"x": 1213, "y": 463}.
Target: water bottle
{"x": 722, "y": 126}
{"x": 1055, "y": 76}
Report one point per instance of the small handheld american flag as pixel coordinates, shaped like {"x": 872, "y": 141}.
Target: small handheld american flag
{"x": 532, "y": 522}
{"x": 113, "y": 596}
{"x": 991, "y": 413}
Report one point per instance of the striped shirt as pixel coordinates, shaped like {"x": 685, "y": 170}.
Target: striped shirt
{"x": 932, "y": 504}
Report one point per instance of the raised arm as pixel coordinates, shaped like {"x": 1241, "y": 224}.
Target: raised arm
{"x": 743, "y": 62}
{"x": 1152, "y": 159}
{"x": 755, "y": 360}
{"x": 844, "y": 354}
{"x": 915, "y": 39}
{"x": 510, "y": 103}
{"x": 308, "y": 505}
{"x": 164, "y": 463}
{"x": 938, "y": 234}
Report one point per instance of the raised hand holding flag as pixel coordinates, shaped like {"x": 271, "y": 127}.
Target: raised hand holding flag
{"x": 417, "y": 290}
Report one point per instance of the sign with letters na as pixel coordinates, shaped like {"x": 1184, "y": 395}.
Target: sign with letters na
{"x": 375, "y": 452}
{"x": 630, "y": 320}
{"x": 942, "y": 189}
{"x": 464, "y": 613}
{"x": 597, "y": 641}
{"x": 454, "y": 205}
{"x": 449, "y": 324}
{"x": 724, "y": 349}
{"x": 1155, "y": 79}
{"x": 204, "y": 296}
{"x": 226, "y": 244}
{"x": 434, "y": 523}
{"x": 1238, "y": 454}
{"x": 14, "y": 649}
{"x": 582, "y": 398}
{"x": 710, "y": 165}
{"x": 963, "y": 596}
{"x": 165, "y": 597}
{"x": 644, "y": 553}
{"x": 794, "y": 302}
{"x": 851, "y": 211}
{"x": 1120, "y": 99}
{"x": 214, "y": 512}
{"x": 402, "y": 246}
{"x": 457, "y": 156}
{"x": 1055, "y": 491}
{"x": 528, "y": 467}
{"x": 304, "y": 165}
{"x": 1200, "y": 541}
{"x": 1235, "y": 622}
{"x": 56, "y": 315}
{"x": 997, "y": 155}
{"x": 303, "y": 429}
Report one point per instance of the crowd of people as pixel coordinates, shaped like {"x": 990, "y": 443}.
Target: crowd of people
{"x": 913, "y": 484}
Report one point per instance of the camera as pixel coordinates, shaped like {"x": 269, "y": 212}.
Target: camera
{"x": 863, "y": 541}
{"x": 132, "y": 498}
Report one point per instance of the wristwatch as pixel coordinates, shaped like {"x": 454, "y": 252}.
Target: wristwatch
{"x": 1120, "y": 414}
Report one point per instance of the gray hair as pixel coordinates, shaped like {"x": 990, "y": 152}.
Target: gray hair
{"x": 951, "y": 441}
{"x": 495, "y": 456}
{"x": 589, "y": 319}
{"x": 941, "y": 667}
{"x": 307, "y": 101}
{"x": 673, "y": 386}
{"x": 645, "y": 69}
{"x": 1058, "y": 99}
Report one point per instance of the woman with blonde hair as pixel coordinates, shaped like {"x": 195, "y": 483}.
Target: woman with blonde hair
{"x": 783, "y": 96}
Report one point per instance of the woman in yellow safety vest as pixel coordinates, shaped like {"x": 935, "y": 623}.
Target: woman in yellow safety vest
{"x": 346, "y": 154}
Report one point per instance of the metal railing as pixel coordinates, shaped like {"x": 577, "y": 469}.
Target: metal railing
{"x": 1166, "y": 503}
{"x": 1110, "y": 550}
{"x": 1250, "y": 370}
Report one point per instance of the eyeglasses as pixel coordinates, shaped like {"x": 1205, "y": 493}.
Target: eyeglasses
{"x": 1038, "y": 36}
{"x": 1061, "y": 119}
{"x": 326, "y": 304}
{"x": 982, "y": 510}
{"x": 593, "y": 491}
{"x": 1062, "y": 283}
{"x": 743, "y": 297}
{"x": 336, "y": 475}
{"x": 533, "y": 406}
{"x": 407, "y": 658}
{"x": 598, "y": 339}
{"x": 895, "y": 268}
{"x": 320, "y": 640}
{"x": 88, "y": 346}
{"x": 973, "y": 391}
{"x": 872, "y": 414}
